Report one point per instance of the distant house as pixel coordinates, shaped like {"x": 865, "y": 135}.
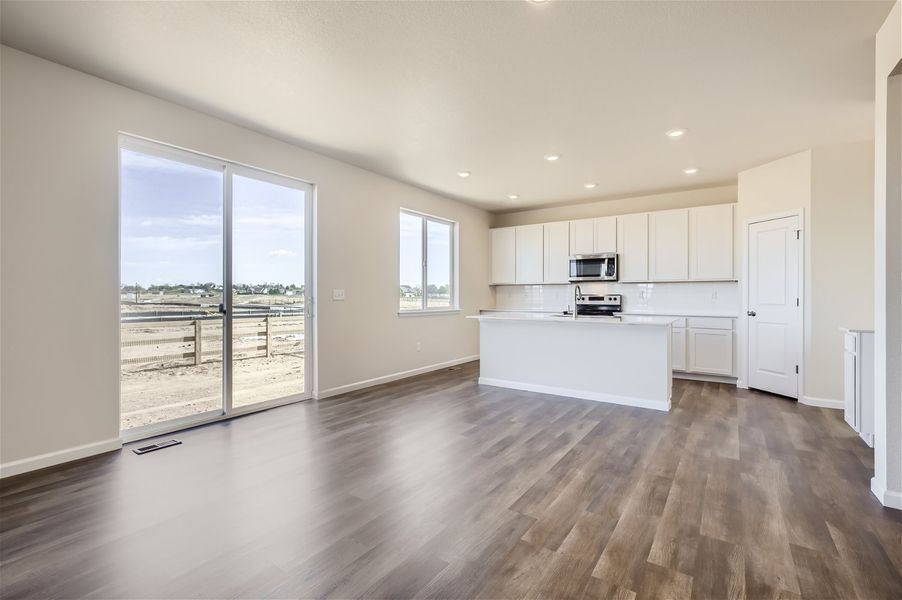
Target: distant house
{"x": 408, "y": 292}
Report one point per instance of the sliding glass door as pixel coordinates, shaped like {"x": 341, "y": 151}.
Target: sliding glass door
{"x": 268, "y": 289}
{"x": 215, "y": 279}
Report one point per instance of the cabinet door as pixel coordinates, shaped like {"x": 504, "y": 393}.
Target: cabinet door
{"x": 557, "y": 252}
{"x": 711, "y": 351}
{"x": 632, "y": 245}
{"x": 529, "y": 253}
{"x": 504, "y": 244}
{"x": 849, "y": 388}
{"x": 678, "y": 349}
{"x": 582, "y": 236}
{"x": 605, "y": 234}
{"x": 668, "y": 245}
{"x": 711, "y": 242}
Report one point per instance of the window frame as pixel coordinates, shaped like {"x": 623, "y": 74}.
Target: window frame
{"x": 454, "y": 297}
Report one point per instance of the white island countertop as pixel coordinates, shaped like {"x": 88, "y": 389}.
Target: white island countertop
{"x": 657, "y": 321}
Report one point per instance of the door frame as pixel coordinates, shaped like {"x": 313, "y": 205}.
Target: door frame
{"x": 229, "y": 168}
{"x": 743, "y": 321}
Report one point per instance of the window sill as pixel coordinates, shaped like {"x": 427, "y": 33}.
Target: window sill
{"x": 428, "y": 312}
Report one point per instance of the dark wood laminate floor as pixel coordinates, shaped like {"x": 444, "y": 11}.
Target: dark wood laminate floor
{"x": 435, "y": 487}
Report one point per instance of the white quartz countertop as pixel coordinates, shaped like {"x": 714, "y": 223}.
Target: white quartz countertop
{"x": 683, "y": 313}
{"x": 658, "y": 321}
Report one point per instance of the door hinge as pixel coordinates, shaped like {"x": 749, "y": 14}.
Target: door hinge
{"x": 797, "y": 369}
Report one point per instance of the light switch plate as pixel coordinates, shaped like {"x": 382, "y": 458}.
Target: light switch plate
{"x": 338, "y": 294}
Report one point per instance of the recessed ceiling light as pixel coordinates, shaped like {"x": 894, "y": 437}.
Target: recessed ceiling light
{"x": 463, "y": 174}
{"x": 590, "y": 186}
{"x": 512, "y": 196}
{"x": 676, "y": 133}
{"x": 690, "y": 171}
{"x": 552, "y": 157}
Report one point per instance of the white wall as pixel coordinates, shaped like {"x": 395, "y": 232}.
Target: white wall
{"x": 842, "y": 258}
{"x": 59, "y": 254}
{"x": 887, "y": 481}
{"x": 619, "y": 206}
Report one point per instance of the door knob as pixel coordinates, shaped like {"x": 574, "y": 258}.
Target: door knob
{"x": 751, "y": 313}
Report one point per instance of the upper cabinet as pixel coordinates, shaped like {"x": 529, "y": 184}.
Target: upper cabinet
{"x": 529, "y": 252}
{"x": 557, "y": 252}
{"x": 687, "y": 244}
{"x": 592, "y": 236}
{"x": 711, "y": 242}
{"x": 605, "y": 234}
{"x": 504, "y": 244}
{"x": 668, "y": 245}
{"x": 632, "y": 246}
{"x": 582, "y": 236}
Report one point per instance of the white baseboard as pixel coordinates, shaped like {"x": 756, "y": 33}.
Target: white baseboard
{"x": 822, "y": 402}
{"x": 582, "y": 394}
{"x": 352, "y": 387}
{"x": 887, "y": 498}
{"x": 42, "y": 461}
{"x": 701, "y": 377}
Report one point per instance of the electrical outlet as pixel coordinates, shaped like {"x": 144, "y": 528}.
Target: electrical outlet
{"x": 419, "y": 346}
{"x": 338, "y": 294}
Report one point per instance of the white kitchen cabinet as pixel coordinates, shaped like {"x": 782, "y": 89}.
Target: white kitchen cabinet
{"x": 557, "y": 252}
{"x": 605, "y": 234}
{"x": 858, "y": 382}
{"x": 632, "y": 246}
{"x": 710, "y": 351}
{"x": 678, "y": 348}
{"x": 529, "y": 252}
{"x": 668, "y": 245}
{"x": 582, "y": 236}
{"x": 504, "y": 253}
{"x": 711, "y": 242}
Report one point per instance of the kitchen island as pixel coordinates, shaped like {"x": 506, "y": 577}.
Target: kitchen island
{"x": 609, "y": 359}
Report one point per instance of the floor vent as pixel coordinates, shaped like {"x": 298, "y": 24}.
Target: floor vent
{"x": 157, "y": 446}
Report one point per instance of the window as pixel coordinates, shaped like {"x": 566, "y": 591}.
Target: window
{"x": 428, "y": 270}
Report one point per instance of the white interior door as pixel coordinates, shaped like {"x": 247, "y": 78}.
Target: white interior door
{"x": 774, "y": 306}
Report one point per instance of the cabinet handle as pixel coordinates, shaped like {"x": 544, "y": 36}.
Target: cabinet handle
{"x": 751, "y": 313}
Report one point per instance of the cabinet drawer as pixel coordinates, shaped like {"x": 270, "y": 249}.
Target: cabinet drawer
{"x": 710, "y": 322}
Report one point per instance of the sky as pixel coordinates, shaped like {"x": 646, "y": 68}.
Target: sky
{"x": 438, "y": 249}
{"x": 172, "y": 226}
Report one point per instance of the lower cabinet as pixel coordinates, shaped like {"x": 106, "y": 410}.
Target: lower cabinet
{"x": 678, "y": 349}
{"x": 858, "y": 379}
{"x": 711, "y": 351}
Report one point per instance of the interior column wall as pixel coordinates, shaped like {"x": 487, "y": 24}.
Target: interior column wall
{"x": 887, "y": 481}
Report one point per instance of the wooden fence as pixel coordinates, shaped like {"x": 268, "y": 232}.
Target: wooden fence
{"x": 195, "y": 341}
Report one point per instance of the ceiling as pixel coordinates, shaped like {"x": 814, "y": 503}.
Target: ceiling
{"x": 419, "y": 91}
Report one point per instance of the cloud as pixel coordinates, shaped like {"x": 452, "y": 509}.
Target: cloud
{"x": 282, "y": 252}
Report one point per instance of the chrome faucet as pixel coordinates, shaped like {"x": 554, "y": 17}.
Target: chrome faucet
{"x": 576, "y": 294}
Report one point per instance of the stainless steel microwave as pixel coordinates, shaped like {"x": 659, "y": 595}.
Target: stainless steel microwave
{"x": 593, "y": 267}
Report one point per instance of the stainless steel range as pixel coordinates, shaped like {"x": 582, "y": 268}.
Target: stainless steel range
{"x": 599, "y": 306}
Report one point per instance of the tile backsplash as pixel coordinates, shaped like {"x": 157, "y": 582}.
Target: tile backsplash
{"x": 718, "y": 297}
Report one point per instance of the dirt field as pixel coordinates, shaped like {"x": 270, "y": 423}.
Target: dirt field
{"x": 151, "y": 396}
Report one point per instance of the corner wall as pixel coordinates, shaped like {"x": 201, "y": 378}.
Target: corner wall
{"x": 59, "y": 389}
{"x": 834, "y": 187}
